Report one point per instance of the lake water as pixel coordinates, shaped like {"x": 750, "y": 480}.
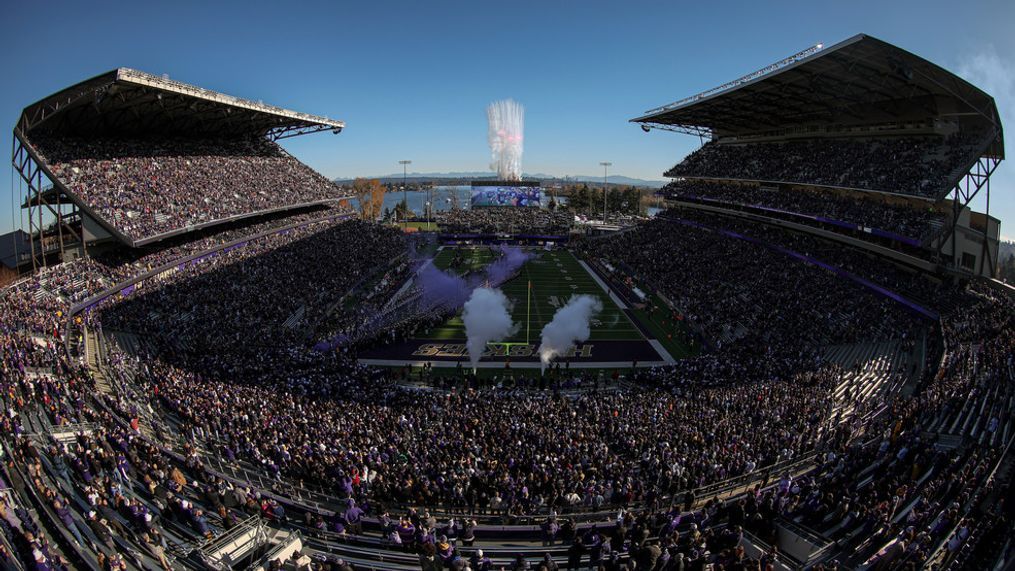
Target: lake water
{"x": 442, "y": 199}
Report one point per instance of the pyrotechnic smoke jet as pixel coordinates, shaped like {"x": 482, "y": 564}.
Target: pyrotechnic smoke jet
{"x": 487, "y": 317}
{"x": 569, "y": 325}
{"x": 506, "y": 119}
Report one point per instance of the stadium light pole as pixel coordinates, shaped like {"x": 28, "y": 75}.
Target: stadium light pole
{"x": 405, "y": 193}
{"x": 606, "y": 165}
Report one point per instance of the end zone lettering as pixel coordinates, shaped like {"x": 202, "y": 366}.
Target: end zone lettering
{"x": 459, "y": 350}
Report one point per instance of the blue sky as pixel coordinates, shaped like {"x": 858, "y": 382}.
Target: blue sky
{"x": 412, "y": 79}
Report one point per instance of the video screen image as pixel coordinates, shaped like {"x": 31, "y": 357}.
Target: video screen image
{"x": 506, "y": 196}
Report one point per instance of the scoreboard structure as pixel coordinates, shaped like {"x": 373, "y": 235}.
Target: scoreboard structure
{"x": 498, "y": 193}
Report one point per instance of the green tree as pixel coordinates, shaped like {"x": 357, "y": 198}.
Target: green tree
{"x": 1006, "y": 269}
{"x": 578, "y": 198}
{"x": 402, "y": 210}
{"x": 595, "y": 202}
{"x": 615, "y": 201}
{"x": 632, "y": 201}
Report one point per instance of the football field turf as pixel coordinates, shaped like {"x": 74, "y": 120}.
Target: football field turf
{"x": 555, "y": 276}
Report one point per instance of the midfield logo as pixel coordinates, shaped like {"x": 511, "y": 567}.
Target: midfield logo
{"x": 495, "y": 350}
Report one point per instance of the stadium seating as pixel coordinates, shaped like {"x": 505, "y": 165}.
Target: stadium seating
{"x": 869, "y": 369}
{"x": 146, "y": 421}
{"x": 198, "y": 402}
{"x": 743, "y": 300}
{"x": 150, "y": 186}
{"x": 505, "y": 220}
{"x": 914, "y": 166}
{"x": 867, "y": 217}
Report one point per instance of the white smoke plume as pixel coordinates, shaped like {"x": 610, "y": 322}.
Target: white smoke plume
{"x": 506, "y": 119}
{"x": 569, "y": 325}
{"x": 487, "y": 317}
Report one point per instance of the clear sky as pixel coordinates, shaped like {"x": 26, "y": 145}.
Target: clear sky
{"x": 412, "y": 79}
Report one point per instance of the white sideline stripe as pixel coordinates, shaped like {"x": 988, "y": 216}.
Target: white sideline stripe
{"x": 424, "y": 265}
{"x": 412, "y": 279}
{"x": 603, "y": 285}
{"x": 667, "y": 358}
{"x": 514, "y": 364}
{"x": 662, "y": 351}
{"x": 405, "y": 286}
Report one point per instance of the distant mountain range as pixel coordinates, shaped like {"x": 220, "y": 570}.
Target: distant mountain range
{"x": 463, "y": 177}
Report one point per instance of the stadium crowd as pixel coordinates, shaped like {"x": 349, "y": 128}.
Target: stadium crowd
{"x": 228, "y": 345}
{"x": 755, "y": 298}
{"x": 378, "y": 443}
{"x": 105, "y": 269}
{"x": 229, "y": 382}
{"x": 505, "y": 220}
{"x": 149, "y": 186}
{"x": 199, "y": 399}
{"x": 210, "y": 308}
{"x": 913, "y": 286}
{"x": 870, "y": 211}
{"x": 914, "y": 166}
{"x": 923, "y": 496}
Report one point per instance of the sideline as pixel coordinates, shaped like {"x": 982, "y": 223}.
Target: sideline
{"x": 667, "y": 358}
{"x": 500, "y": 364}
{"x": 616, "y": 299}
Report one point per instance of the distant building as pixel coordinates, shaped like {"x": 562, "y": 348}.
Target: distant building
{"x": 15, "y": 255}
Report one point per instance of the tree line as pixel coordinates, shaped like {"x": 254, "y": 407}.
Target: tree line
{"x": 1006, "y": 263}
{"x": 583, "y": 199}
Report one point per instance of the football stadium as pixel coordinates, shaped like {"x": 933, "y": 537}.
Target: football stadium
{"x": 543, "y": 284}
{"x": 215, "y": 357}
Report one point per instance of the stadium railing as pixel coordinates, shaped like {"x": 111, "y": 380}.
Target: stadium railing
{"x": 126, "y": 286}
{"x": 48, "y": 519}
{"x": 230, "y": 219}
{"x": 316, "y": 497}
{"x": 875, "y": 288}
{"x": 940, "y": 554}
{"x": 775, "y": 212}
{"x": 234, "y": 545}
{"x": 308, "y": 497}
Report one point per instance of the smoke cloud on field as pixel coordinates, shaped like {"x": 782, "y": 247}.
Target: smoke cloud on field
{"x": 569, "y": 326}
{"x": 487, "y": 318}
{"x": 512, "y": 258}
{"x": 441, "y": 288}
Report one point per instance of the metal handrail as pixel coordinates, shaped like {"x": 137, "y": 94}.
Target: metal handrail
{"x": 936, "y": 553}
{"x": 120, "y": 286}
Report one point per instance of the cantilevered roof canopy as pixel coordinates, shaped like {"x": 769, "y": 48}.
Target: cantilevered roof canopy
{"x": 860, "y": 81}
{"x": 130, "y": 102}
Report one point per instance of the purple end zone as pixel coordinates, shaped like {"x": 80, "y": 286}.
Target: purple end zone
{"x": 618, "y": 351}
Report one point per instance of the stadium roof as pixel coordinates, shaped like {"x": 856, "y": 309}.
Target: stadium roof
{"x": 127, "y": 101}
{"x": 862, "y": 80}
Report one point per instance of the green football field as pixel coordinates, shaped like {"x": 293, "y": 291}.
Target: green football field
{"x": 555, "y": 276}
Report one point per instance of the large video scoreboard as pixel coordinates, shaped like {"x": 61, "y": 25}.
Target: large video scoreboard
{"x": 506, "y": 193}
